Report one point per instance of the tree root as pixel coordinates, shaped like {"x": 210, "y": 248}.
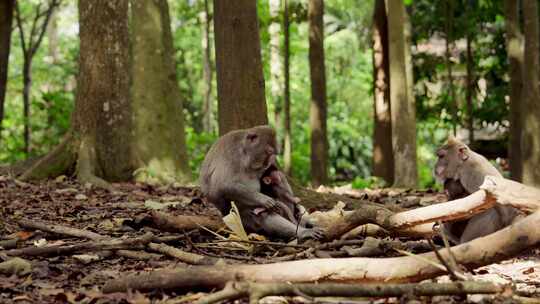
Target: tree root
{"x": 86, "y": 165}
{"x": 57, "y": 162}
{"x": 257, "y": 291}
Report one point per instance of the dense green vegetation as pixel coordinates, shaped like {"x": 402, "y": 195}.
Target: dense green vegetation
{"x": 349, "y": 80}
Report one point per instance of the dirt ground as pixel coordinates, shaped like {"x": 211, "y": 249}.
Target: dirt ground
{"x": 77, "y": 277}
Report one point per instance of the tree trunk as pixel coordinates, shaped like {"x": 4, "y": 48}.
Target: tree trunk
{"x": 448, "y": 29}
{"x": 514, "y": 48}
{"x": 470, "y": 90}
{"x": 317, "y": 117}
{"x": 52, "y": 35}
{"x": 6, "y": 23}
{"x": 208, "y": 103}
{"x": 403, "y": 111}
{"x": 99, "y": 144}
{"x": 159, "y": 142}
{"x": 383, "y": 159}
{"x": 287, "y": 145}
{"x": 241, "y": 99}
{"x": 27, "y": 84}
{"x": 530, "y": 140}
{"x": 102, "y": 117}
{"x": 276, "y": 70}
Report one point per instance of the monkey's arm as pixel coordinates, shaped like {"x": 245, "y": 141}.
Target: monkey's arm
{"x": 246, "y": 196}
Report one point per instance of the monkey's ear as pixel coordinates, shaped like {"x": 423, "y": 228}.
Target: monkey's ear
{"x": 462, "y": 153}
{"x": 251, "y": 137}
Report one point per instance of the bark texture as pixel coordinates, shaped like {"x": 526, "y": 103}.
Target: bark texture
{"x": 159, "y": 141}
{"x": 514, "y": 48}
{"x": 208, "y": 103}
{"x": 287, "y": 140}
{"x": 318, "y": 111}
{"x": 276, "y": 69}
{"x": 403, "y": 111}
{"x": 6, "y": 21}
{"x": 530, "y": 137}
{"x": 240, "y": 81}
{"x": 102, "y": 117}
{"x": 383, "y": 159}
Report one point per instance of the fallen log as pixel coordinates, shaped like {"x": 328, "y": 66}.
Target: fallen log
{"x": 257, "y": 291}
{"x": 495, "y": 247}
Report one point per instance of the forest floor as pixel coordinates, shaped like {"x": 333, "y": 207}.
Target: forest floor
{"x": 76, "y": 277}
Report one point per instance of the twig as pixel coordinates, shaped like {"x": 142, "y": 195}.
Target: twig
{"x": 98, "y": 245}
{"x": 187, "y": 257}
{"x": 451, "y": 271}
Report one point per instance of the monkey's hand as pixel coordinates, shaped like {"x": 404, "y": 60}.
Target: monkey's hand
{"x": 270, "y": 204}
{"x": 316, "y": 233}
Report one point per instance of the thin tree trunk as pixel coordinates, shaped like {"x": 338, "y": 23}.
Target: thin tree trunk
{"x": 383, "y": 159}
{"x": 6, "y": 24}
{"x": 276, "y": 70}
{"x": 448, "y": 29}
{"x": 470, "y": 90}
{"x": 240, "y": 81}
{"x": 530, "y": 140}
{"x": 287, "y": 146}
{"x": 208, "y": 108}
{"x": 159, "y": 142}
{"x": 52, "y": 35}
{"x": 514, "y": 48}
{"x": 403, "y": 111}
{"x": 318, "y": 110}
{"x": 27, "y": 84}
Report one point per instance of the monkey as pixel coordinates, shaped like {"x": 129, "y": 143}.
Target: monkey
{"x": 274, "y": 183}
{"x": 462, "y": 171}
{"x": 232, "y": 171}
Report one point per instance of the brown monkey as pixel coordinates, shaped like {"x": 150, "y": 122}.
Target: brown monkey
{"x": 274, "y": 183}
{"x": 462, "y": 171}
{"x": 232, "y": 171}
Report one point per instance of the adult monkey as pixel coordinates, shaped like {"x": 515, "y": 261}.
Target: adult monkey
{"x": 462, "y": 171}
{"x": 233, "y": 170}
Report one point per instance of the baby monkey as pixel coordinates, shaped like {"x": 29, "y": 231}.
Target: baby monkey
{"x": 274, "y": 184}
{"x": 462, "y": 171}
{"x": 233, "y": 170}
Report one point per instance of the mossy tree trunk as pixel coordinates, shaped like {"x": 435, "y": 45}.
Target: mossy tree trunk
{"x": 240, "y": 81}
{"x": 514, "y": 48}
{"x": 276, "y": 69}
{"x": 403, "y": 109}
{"x": 287, "y": 140}
{"x": 159, "y": 141}
{"x": 383, "y": 159}
{"x": 318, "y": 110}
{"x": 530, "y": 137}
{"x": 98, "y": 146}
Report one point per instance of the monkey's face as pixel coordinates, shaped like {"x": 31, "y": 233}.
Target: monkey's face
{"x": 450, "y": 159}
{"x": 260, "y": 148}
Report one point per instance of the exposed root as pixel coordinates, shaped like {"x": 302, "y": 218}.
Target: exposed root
{"x": 59, "y": 161}
{"x": 86, "y": 170}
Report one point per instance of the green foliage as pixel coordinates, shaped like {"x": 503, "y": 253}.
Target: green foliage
{"x": 348, "y": 71}
{"x": 198, "y": 144}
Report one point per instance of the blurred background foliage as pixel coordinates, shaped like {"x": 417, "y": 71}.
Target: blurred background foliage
{"x": 349, "y": 81}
